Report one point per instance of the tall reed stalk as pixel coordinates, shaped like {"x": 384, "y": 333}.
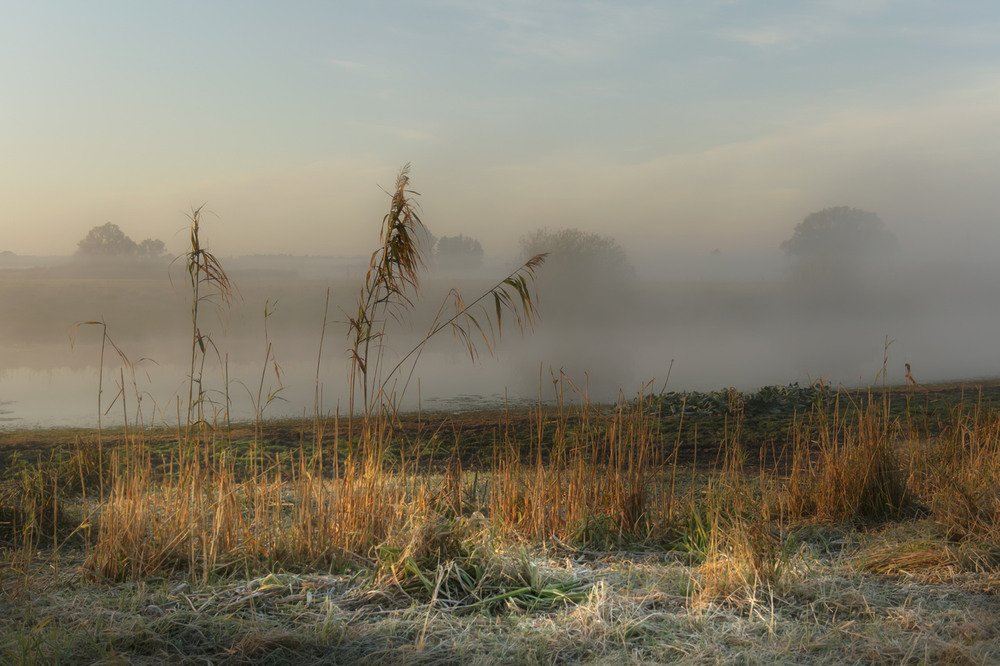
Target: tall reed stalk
{"x": 391, "y": 283}
{"x": 207, "y": 279}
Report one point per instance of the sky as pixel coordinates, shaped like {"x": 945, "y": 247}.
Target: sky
{"x": 672, "y": 126}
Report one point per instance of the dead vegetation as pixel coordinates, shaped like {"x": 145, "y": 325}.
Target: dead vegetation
{"x": 577, "y": 533}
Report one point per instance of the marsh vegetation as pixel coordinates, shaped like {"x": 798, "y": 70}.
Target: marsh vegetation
{"x": 798, "y": 524}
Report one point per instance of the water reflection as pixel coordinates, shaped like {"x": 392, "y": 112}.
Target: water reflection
{"x": 743, "y": 335}
{"x": 157, "y": 393}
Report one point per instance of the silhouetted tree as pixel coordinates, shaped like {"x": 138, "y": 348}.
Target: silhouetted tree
{"x": 108, "y": 240}
{"x": 586, "y": 280}
{"x": 578, "y": 254}
{"x": 841, "y": 234}
{"x": 841, "y": 254}
{"x": 458, "y": 252}
{"x": 152, "y": 248}
{"x": 589, "y": 300}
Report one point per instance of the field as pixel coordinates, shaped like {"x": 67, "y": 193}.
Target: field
{"x": 793, "y": 525}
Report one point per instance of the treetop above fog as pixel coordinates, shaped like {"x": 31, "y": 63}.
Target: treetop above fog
{"x": 840, "y": 232}
{"x": 458, "y": 252}
{"x": 574, "y": 251}
{"x": 109, "y": 241}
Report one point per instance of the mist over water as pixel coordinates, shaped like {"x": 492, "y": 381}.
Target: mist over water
{"x": 741, "y": 321}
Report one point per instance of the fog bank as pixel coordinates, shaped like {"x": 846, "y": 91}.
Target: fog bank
{"x": 727, "y": 321}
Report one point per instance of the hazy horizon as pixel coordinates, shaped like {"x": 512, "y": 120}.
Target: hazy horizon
{"x": 697, "y": 136}
{"x": 670, "y": 127}
{"x": 613, "y": 335}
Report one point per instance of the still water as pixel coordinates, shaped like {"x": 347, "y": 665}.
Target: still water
{"x": 673, "y": 335}
{"x": 65, "y": 387}
{"x": 156, "y": 393}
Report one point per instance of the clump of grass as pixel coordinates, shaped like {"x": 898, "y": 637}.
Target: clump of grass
{"x": 456, "y": 564}
{"x": 743, "y": 559}
{"x": 36, "y": 499}
{"x": 32, "y": 509}
{"x": 958, "y": 474}
{"x": 852, "y": 471}
{"x": 588, "y": 478}
{"x": 741, "y": 551}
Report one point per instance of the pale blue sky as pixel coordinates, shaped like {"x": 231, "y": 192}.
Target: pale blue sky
{"x": 669, "y": 125}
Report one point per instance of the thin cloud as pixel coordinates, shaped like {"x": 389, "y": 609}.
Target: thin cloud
{"x": 350, "y": 64}
{"x": 356, "y": 67}
{"x": 822, "y": 23}
{"x": 567, "y": 32}
{"x": 893, "y": 158}
{"x": 406, "y": 133}
{"x": 762, "y": 37}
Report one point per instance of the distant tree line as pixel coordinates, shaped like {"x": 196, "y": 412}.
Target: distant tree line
{"x": 573, "y": 254}
{"x": 109, "y": 241}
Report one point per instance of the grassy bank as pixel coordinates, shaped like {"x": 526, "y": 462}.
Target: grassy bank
{"x": 793, "y": 525}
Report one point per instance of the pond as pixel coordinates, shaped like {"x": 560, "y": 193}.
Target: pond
{"x": 698, "y": 336}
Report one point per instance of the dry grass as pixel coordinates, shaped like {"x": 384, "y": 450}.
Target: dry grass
{"x": 633, "y": 608}
{"x": 852, "y": 469}
{"x": 581, "y": 537}
{"x": 349, "y": 559}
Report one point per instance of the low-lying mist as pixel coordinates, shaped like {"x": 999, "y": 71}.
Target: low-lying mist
{"x": 605, "y": 331}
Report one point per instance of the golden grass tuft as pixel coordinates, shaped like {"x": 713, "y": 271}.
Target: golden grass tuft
{"x": 852, "y": 470}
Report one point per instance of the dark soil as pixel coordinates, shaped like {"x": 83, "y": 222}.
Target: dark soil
{"x": 441, "y": 439}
